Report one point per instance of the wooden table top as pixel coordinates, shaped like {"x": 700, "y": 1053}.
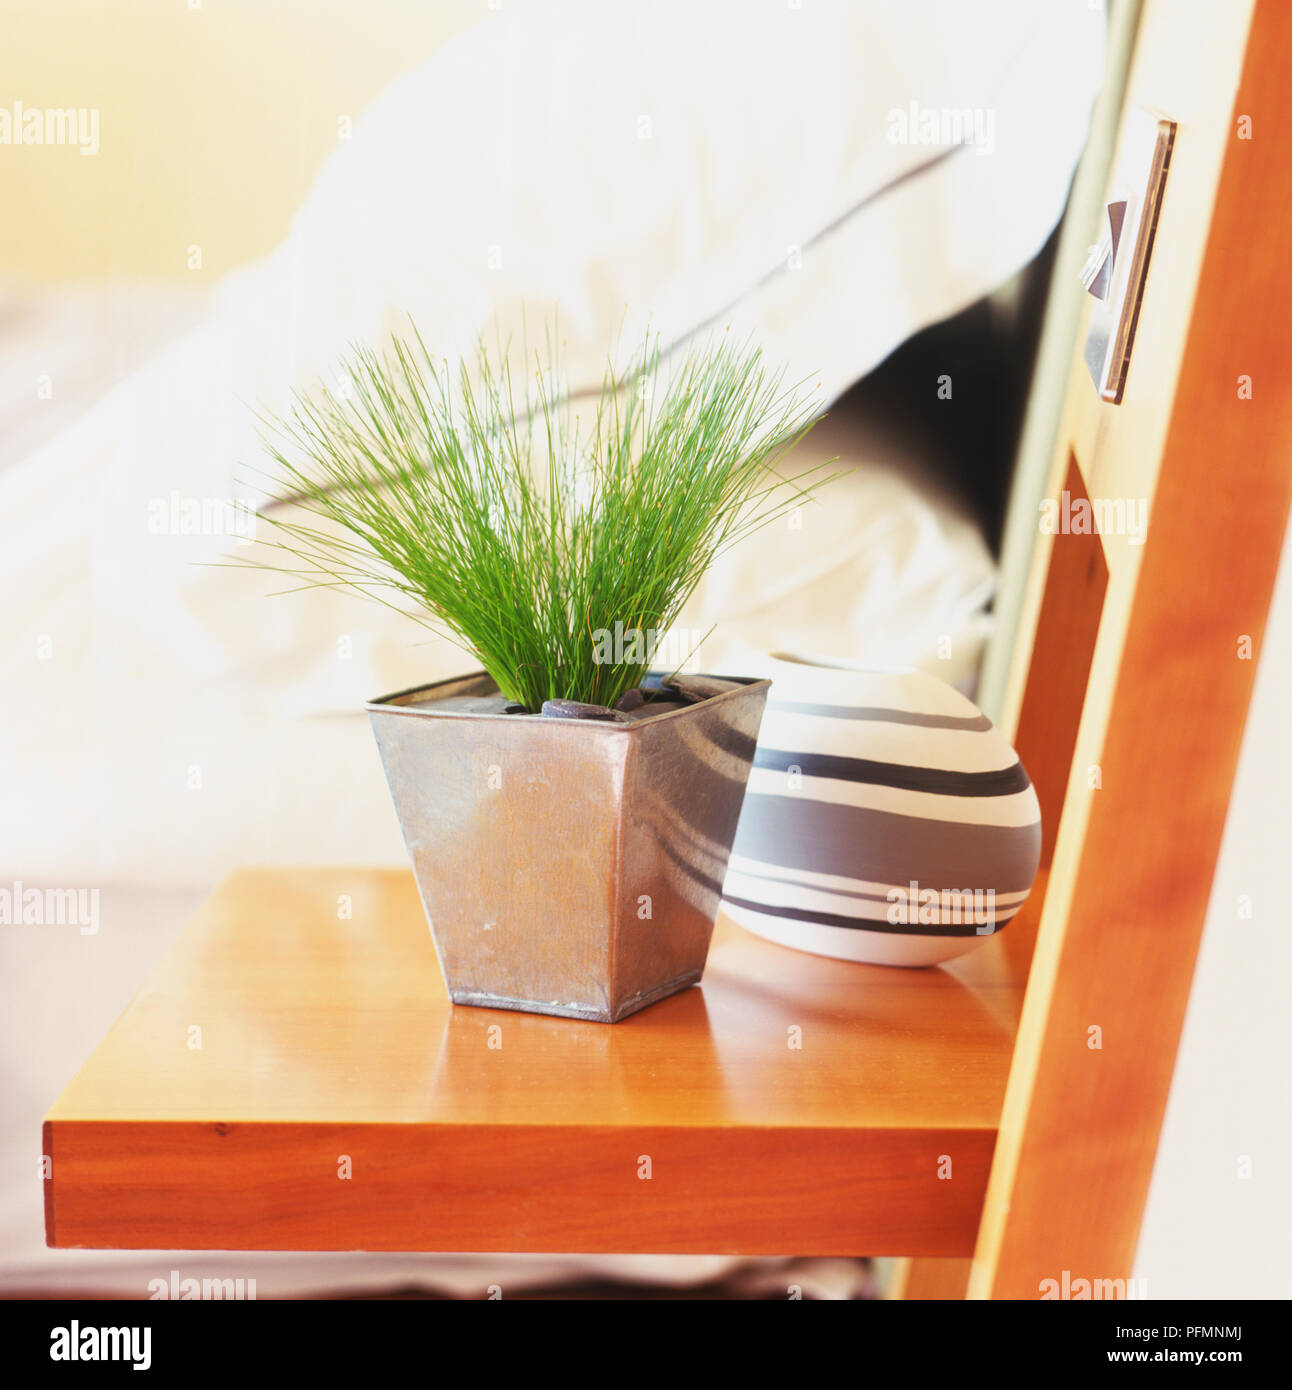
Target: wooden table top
{"x": 292, "y": 1076}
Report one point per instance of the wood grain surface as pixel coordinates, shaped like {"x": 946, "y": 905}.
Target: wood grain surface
{"x": 325, "y": 1033}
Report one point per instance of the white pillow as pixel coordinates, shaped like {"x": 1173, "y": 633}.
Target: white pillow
{"x": 681, "y": 164}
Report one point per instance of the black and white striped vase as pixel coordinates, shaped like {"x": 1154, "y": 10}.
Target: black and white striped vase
{"x": 886, "y": 820}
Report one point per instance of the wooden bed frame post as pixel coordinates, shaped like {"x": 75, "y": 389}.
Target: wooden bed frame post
{"x": 1132, "y": 677}
{"x": 1173, "y": 666}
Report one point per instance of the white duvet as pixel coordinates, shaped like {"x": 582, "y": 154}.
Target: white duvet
{"x": 779, "y": 168}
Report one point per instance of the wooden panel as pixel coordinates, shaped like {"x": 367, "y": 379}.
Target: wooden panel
{"x": 1060, "y": 669}
{"x": 1170, "y": 688}
{"x": 471, "y": 1129}
{"x": 1187, "y": 65}
{"x": 513, "y": 1187}
{"x": 930, "y": 1281}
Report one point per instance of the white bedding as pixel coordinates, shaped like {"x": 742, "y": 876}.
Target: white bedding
{"x": 168, "y": 721}
{"x": 676, "y": 165}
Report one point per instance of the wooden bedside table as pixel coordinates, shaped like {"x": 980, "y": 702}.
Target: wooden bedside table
{"x": 281, "y": 1045}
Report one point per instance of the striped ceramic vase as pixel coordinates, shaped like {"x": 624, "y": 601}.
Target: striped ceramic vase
{"x": 885, "y": 819}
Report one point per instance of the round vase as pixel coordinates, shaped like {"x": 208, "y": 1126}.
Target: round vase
{"x": 885, "y": 820}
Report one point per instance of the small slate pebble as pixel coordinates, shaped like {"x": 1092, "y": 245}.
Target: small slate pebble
{"x": 576, "y": 709}
{"x": 653, "y": 707}
{"x": 693, "y": 689}
{"x": 630, "y": 700}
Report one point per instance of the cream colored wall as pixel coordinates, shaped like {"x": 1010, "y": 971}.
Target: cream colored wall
{"x": 214, "y": 116}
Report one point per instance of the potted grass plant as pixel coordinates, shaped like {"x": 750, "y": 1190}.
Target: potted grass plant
{"x": 568, "y": 809}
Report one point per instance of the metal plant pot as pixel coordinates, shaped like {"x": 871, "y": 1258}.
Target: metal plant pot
{"x": 567, "y": 867}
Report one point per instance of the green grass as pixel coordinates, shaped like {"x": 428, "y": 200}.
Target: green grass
{"x": 520, "y": 526}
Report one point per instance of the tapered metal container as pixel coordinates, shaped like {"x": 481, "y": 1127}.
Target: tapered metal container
{"x": 567, "y": 866}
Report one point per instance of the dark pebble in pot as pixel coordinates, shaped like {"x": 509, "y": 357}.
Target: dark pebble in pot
{"x": 693, "y": 689}
{"x": 630, "y": 700}
{"x": 576, "y": 709}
